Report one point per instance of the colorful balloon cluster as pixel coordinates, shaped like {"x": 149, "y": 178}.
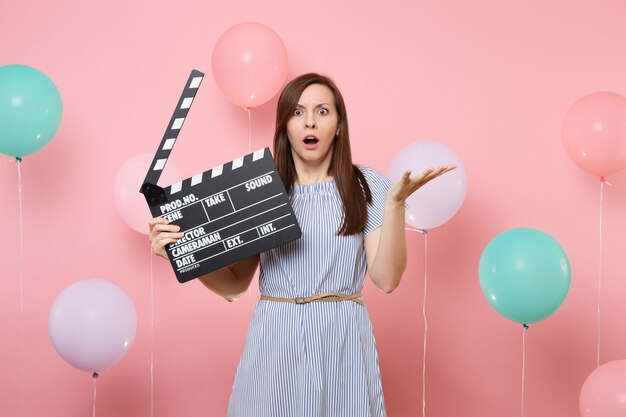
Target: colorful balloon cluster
{"x": 524, "y": 273}
{"x": 30, "y": 110}
{"x": 92, "y": 324}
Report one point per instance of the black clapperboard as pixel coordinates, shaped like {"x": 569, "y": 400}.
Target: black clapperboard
{"x": 227, "y": 213}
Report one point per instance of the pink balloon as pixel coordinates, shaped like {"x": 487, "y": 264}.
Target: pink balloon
{"x": 249, "y": 64}
{"x": 604, "y": 392}
{"x": 92, "y": 324}
{"x": 129, "y": 202}
{"x": 439, "y": 200}
{"x": 594, "y": 133}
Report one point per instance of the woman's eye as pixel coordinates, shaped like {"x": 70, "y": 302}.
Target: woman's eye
{"x": 323, "y": 111}
{"x": 297, "y": 112}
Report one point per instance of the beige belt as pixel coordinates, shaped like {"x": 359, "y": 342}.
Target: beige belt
{"x": 328, "y": 296}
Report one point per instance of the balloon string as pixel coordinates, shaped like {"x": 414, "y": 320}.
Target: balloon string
{"x": 95, "y": 378}
{"x": 249, "y": 129}
{"x": 247, "y": 109}
{"x": 18, "y": 160}
{"x": 425, "y": 233}
{"x": 425, "y": 323}
{"x": 151, "y": 335}
{"x": 523, "y": 363}
{"x": 602, "y": 181}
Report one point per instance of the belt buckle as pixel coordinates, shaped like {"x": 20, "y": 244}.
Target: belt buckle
{"x": 300, "y": 300}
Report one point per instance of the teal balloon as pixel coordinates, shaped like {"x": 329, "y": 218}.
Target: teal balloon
{"x": 30, "y": 110}
{"x": 524, "y": 274}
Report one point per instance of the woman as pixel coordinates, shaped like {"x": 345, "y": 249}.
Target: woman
{"x": 310, "y": 349}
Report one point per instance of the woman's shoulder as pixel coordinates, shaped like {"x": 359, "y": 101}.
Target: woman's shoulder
{"x": 373, "y": 176}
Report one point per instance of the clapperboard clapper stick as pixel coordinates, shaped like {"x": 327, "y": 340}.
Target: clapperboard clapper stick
{"x": 227, "y": 213}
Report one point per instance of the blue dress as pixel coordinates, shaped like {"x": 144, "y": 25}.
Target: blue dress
{"x": 317, "y": 359}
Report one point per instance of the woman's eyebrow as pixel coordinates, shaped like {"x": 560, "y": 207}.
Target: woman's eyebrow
{"x": 316, "y": 106}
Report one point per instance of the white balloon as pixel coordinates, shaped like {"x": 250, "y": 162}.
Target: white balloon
{"x": 440, "y": 199}
{"x": 92, "y": 324}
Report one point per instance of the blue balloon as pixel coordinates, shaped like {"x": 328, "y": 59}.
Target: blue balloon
{"x": 30, "y": 110}
{"x": 524, "y": 274}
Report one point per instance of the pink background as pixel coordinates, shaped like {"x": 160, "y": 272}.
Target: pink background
{"x": 492, "y": 80}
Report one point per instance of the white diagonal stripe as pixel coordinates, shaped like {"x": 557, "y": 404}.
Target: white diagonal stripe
{"x": 160, "y": 163}
{"x": 238, "y": 163}
{"x": 196, "y": 179}
{"x": 217, "y": 171}
{"x": 195, "y": 83}
{"x": 169, "y": 144}
{"x": 186, "y": 103}
{"x": 178, "y": 123}
{"x": 176, "y": 187}
{"x": 258, "y": 154}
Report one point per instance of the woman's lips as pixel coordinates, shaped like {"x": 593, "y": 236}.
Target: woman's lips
{"x": 310, "y": 142}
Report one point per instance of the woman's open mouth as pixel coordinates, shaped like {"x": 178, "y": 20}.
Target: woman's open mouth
{"x": 310, "y": 142}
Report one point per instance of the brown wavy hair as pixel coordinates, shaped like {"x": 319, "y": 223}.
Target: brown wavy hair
{"x": 353, "y": 189}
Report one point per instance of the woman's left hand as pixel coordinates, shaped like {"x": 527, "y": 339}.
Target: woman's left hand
{"x": 407, "y": 185}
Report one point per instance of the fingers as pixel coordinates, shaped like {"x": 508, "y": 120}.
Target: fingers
{"x": 432, "y": 173}
{"x": 405, "y": 178}
{"x": 158, "y": 246}
{"x": 409, "y": 184}
{"x": 159, "y": 224}
{"x": 161, "y": 234}
{"x": 156, "y": 220}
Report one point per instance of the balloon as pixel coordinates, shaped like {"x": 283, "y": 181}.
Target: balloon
{"x": 594, "y": 133}
{"x": 436, "y": 202}
{"x": 524, "y": 274}
{"x": 604, "y": 392}
{"x": 30, "y": 110}
{"x": 249, "y": 64}
{"x": 129, "y": 202}
{"x": 92, "y": 324}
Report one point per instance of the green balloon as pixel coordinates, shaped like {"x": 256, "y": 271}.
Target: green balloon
{"x": 524, "y": 274}
{"x": 30, "y": 110}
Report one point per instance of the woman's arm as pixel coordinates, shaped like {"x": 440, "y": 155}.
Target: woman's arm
{"x": 385, "y": 247}
{"x": 232, "y": 281}
{"x": 229, "y": 282}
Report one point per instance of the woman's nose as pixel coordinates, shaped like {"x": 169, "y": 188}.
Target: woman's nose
{"x": 310, "y": 123}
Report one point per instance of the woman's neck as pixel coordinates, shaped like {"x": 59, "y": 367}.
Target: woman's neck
{"x": 317, "y": 179}
{"x": 311, "y": 175}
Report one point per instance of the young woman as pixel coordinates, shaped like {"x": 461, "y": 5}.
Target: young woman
{"x": 310, "y": 349}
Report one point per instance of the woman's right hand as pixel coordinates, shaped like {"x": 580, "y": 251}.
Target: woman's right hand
{"x": 162, "y": 233}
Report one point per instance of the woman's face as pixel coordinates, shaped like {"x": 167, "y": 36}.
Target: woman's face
{"x": 313, "y": 126}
